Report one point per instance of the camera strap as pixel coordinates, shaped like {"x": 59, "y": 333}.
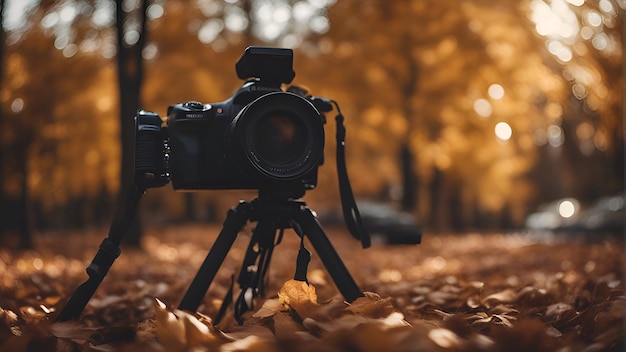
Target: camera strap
{"x": 351, "y": 213}
{"x": 304, "y": 256}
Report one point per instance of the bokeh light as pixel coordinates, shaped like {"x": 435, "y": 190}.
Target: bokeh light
{"x": 496, "y": 91}
{"x": 503, "y": 131}
{"x": 483, "y": 107}
{"x": 567, "y": 208}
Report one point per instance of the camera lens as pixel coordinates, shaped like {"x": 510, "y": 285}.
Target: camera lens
{"x": 280, "y": 135}
{"x": 279, "y": 138}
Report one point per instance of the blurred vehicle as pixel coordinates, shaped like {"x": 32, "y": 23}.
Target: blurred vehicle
{"x": 385, "y": 224}
{"x": 604, "y": 215}
{"x": 553, "y": 215}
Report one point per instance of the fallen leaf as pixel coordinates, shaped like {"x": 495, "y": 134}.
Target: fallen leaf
{"x": 441, "y": 297}
{"x": 506, "y": 296}
{"x": 284, "y": 325}
{"x": 269, "y": 308}
{"x": 372, "y": 306}
{"x": 504, "y": 309}
{"x": 8, "y": 317}
{"x": 179, "y": 331}
{"x": 72, "y": 330}
{"x": 369, "y": 337}
{"x": 533, "y": 296}
{"x": 559, "y": 311}
{"x": 444, "y": 338}
{"x": 249, "y": 343}
{"x": 299, "y": 296}
{"x": 295, "y": 292}
{"x": 497, "y": 319}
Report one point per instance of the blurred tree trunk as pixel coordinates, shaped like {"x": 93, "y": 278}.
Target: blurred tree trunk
{"x": 24, "y": 226}
{"x": 435, "y": 199}
{"x": 407, "y": 157}
{"x": 409, "y": 179}
{"x": 247, "y": 7}
{"x": 3, "y": 198}
{"x": 14, "y": 206}
{"x": 130, "y": 77}
{"x": 190, "y": 206}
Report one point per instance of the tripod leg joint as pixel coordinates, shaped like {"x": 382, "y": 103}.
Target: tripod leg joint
{"x": 102, "y": 262}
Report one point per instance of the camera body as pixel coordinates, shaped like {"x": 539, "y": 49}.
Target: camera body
{"x": 261, "y": 137}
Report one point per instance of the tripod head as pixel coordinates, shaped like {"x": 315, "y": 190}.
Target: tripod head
{"x": 288, "y": 192}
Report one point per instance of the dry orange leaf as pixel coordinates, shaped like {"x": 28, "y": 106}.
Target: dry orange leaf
{"x": 269, "y": 308}
{"x": 445, "y": 338}
{"x": 295, "y": 292}
{"x": 506, "y": 296}
{"x": 179, "y": 331}
{"x": 299, "y": 296}
{"x": 372, "y": 306}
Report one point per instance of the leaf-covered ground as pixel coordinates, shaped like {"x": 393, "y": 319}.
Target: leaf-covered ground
{"x": 470, "y": 292}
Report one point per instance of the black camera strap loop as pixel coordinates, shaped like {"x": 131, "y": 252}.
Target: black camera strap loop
{"x": 351, "y": 213}
{"x": 304, "y": 256}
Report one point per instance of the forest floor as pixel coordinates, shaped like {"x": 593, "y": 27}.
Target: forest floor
{"x": 454, "y": 292}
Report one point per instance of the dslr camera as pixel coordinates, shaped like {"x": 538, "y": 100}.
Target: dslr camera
{"x": 261, "y": 137}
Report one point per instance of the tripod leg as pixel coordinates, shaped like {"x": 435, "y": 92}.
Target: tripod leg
{"x": 336, "y": 268}
{"x": 235, "y": 220}
{"x": 107, "y": 253}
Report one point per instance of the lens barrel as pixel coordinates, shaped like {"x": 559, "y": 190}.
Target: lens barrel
{"x": 279, "y": 136}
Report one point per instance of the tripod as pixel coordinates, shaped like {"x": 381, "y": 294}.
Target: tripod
{"x": 272, "y": 213}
